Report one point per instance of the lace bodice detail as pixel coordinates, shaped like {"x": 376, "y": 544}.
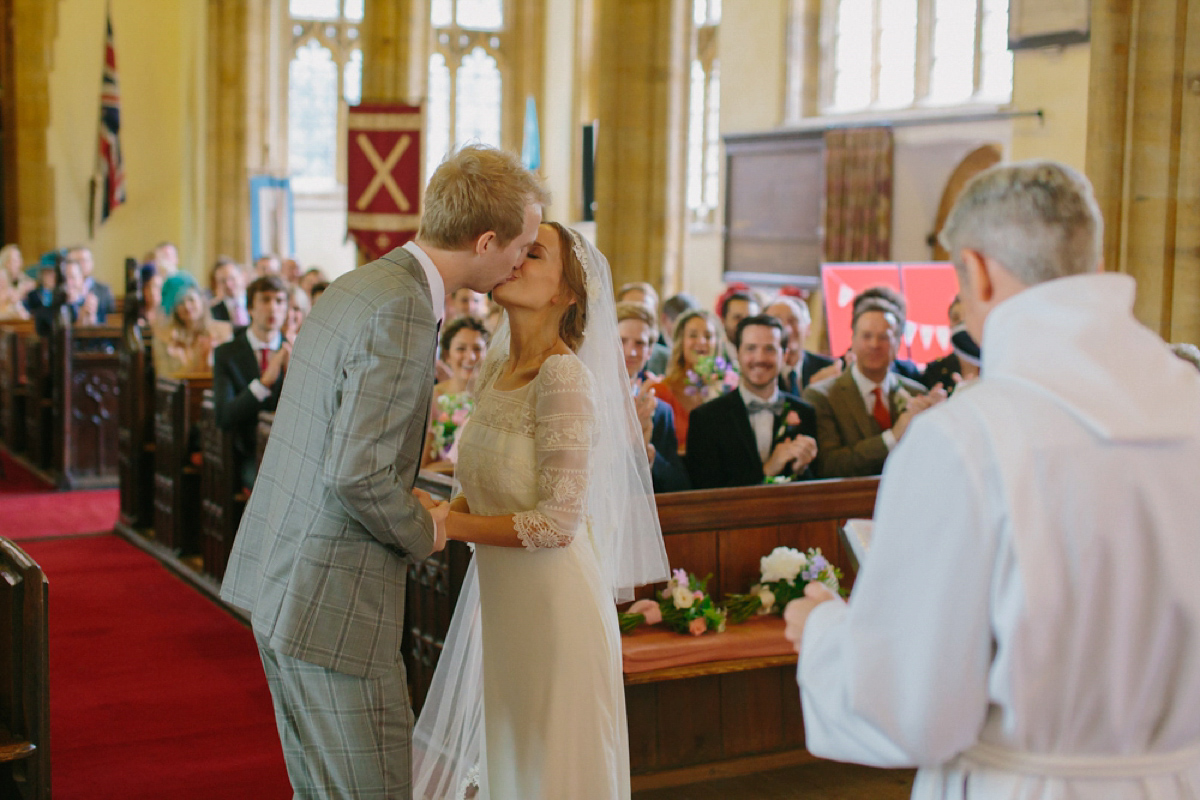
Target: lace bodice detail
{"x": 525, "y": 452}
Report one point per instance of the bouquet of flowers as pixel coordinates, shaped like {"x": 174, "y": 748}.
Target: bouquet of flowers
{"x": 684, "y": 605}
{"x": 712, "y": 377}
{"x": 785, "y": 573}
{"x": 450, "y": 414}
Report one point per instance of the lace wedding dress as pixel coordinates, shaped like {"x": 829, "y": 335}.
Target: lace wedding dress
{"x": 553, "y": 699}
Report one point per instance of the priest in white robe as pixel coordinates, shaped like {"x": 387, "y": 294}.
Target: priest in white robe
{"x": 1027, "y": 621}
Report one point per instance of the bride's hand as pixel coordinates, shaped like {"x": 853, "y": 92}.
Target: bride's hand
{"x": 459, "y": 505}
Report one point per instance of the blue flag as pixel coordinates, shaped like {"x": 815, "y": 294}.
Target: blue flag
{"x": 531, "y": 150}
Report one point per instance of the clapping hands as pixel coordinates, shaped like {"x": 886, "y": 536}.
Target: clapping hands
{"x": 916, "y": 405}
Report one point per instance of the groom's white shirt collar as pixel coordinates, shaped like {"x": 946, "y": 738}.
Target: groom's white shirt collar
{"x": 437, "y": 287}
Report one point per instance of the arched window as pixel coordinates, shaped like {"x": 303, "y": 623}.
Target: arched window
{"x": 467, "y": 72}
{"x": 704, "y": 111}
{"x": 888, "y": 54}
{"x": 324, "y": 75}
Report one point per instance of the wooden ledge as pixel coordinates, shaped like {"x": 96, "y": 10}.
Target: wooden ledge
{"x": 708, "y": 668}
{"x": 14, "y": 749}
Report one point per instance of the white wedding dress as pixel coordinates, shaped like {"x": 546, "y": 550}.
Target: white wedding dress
{"x": 553, "y": 698}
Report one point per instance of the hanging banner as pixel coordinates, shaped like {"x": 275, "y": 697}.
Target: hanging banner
{"x": 928, "y": 290}
{"x": 383, "y": 175}
{"x": 840, "y": 284}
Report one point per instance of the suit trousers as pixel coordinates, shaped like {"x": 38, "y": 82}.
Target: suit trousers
{"x": 343, "y": 736}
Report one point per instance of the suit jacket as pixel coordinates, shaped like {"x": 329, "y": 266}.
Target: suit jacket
{"x": 849, "y": 440}
{"x": 797, "y": 381}
{"x": 722, "y": 450}
{"x": 235, "y": 367}
{"x": 220, "y": 311}
{"x": 105, "y": 303}
{"x": 321, "y": 555}
{"x": 667, "y": 472}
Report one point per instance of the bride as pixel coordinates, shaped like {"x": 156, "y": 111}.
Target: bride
{"x": 527, "y": 700}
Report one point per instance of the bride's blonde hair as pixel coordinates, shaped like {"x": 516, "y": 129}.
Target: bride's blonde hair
{"x": 574, "y": 321}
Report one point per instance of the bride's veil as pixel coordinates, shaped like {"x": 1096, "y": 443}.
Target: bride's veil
{"x": 448, "y": 742}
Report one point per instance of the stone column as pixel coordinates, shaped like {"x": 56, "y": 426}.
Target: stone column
{"x": 29, "y": 181}
{"x": 395, "y": 39}
{"x": 1143, "y": 153}
{"x": 641, "y": 59}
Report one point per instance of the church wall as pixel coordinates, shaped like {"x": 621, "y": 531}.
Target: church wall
{"x": 160, "y": 68}
{"x": 1055, "y": 80}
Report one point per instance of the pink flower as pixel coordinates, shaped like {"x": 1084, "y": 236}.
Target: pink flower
{"x": 680, "y": 576}
{"x": 648, "y": 609}
{"x": 699, "y": 595}
{"x": 792, "y": 418}
{"x": 731, "y": 380}
{"x": 697, "y": 626}
{"x": 459, "y": 416}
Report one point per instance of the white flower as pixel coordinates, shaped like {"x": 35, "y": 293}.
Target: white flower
{"x": 683, "y": 597}
{"x": 767, "y": 597}
{"x": 783, "y": 564}
{"x": 902, "y": 398}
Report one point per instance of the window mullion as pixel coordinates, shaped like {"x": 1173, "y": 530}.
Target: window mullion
{"x": 977, "y": 77}
{"x": 924, "y": 59}
{"x": 876, "y": 48}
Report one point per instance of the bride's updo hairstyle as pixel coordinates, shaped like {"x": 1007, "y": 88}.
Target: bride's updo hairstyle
{"x": 574, "y": 321}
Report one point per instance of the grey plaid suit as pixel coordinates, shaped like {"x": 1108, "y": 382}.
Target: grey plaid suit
{"x": 320, "y": 556}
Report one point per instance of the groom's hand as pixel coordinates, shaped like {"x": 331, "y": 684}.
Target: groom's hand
{"x": 438, "y": 511}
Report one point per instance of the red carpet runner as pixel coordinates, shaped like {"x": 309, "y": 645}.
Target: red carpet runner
{"x": 155, "y": 692}
{"x": 30, "y": 509}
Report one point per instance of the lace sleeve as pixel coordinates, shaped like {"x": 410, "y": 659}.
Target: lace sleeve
{"x": 563, "y": 439}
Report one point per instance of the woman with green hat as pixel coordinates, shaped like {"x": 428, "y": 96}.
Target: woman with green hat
{"x": 185, "y": 339}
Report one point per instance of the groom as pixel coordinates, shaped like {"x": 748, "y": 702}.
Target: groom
{"x": 320, "y": 558}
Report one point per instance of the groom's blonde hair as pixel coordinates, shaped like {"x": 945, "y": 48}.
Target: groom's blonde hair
{"x": 478, "y": 189}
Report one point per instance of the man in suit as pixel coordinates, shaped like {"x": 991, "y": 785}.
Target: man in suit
{"x": 321, "y": 555}
{"x": 757, "y": 432}
{"x": 863, "y": 412}
{"x": 799, "y": 365}
{"x": 229, "y": 282}
{"x": 635, "y": 326}
{"x": 105, "y": 303}
{"x": 248, "y": 371}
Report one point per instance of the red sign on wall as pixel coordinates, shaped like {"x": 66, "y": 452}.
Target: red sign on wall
{"x": 383, "y": 180}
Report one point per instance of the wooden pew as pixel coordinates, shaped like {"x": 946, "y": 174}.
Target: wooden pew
{"x": 733, "y": 717}
{"x": 135, "y": 414}
{"x": 24, "y": 677}
{"x": 14, "y": 386}
{"x": 220, "y": 508}
{"x": 86, "y": 391}
{"x": 176, "y": 479}
{"x": 39, "y": 402}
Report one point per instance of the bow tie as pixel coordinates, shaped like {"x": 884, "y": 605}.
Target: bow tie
{"x": 776, "y": 408}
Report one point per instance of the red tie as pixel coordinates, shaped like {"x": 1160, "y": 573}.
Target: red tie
{"x": 880, "y": 412}
{"x": 263, "y": 355}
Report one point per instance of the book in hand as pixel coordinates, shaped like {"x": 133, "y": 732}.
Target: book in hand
{"x": 856, "y": 535}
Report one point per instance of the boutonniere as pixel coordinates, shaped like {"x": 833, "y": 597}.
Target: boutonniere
{"x": 900, "y": 398}
{"x": 790, "y": 420}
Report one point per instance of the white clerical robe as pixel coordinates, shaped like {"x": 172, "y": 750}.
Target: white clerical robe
{"x": 1033, "y": 582}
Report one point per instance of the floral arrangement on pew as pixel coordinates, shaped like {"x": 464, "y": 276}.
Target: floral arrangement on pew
{"x": 711, "y": 377}
{"x": 685, "y": 606}
{"x": 784, "y": 574}
{"x": 450, "y": 415}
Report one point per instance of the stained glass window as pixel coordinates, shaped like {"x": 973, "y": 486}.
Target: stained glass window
{"x": 352, "y": 79}
{"x": 477, "y": 110}
{"x": 437, "y": 113}
{"x": 312, "y": 116}
{"x": 951, "y": 77}
{"x": 480, "y": 14}
{"x": 353, "y": 10}
{"x": 314, "y": 9}
{"x": 704, "y": 113}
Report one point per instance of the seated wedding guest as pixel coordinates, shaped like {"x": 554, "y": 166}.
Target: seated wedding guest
{"x": 105, "y": 302}
{"x": 462, "y": 346}
{"x": 863, "y": 412}
{"x": 39, "y": 301}
{"x": 672, "y": 307}
{"x": 494, "y": 315}
{"x": 635, "y": 327}
{"x": 310, "y": 279}
{"x": 152, "y": 282}
{"x": 697, "y": 336}
{"x": 889, "y": 295}
{"x": 1047, "y": 646}
{"x": 799, "y": 365}
{"x": 248, "y": 371}
{"x": 467, "y": 303}
{"x": 229, "y": 288}
{"x": 1188, "y": 352}
{"x": 757, "y": 432}
{"x": 318, "y": 289}
{"x": 166, "y": 259}
{"x": 186, "y": 337}
{"x": 289, "y": 270}
{"x": 298, "y": 307}
{"x": 734, "y": 308}
{"x": 639, "y": 292}
{"x": 12, "y": 270}
{"x": 267, "y": 264}
{"x": 69, "y": 298}
{"x": 11, "y": 306}
{"x": 961, "y": 364}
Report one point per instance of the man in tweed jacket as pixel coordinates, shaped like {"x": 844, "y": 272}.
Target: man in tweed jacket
{"x": 320, "y": 557}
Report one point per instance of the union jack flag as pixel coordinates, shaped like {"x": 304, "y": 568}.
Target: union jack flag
{"x": 111, "y": 167}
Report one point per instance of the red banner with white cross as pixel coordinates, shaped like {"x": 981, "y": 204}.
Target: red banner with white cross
{"x": 383, "y": 175}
